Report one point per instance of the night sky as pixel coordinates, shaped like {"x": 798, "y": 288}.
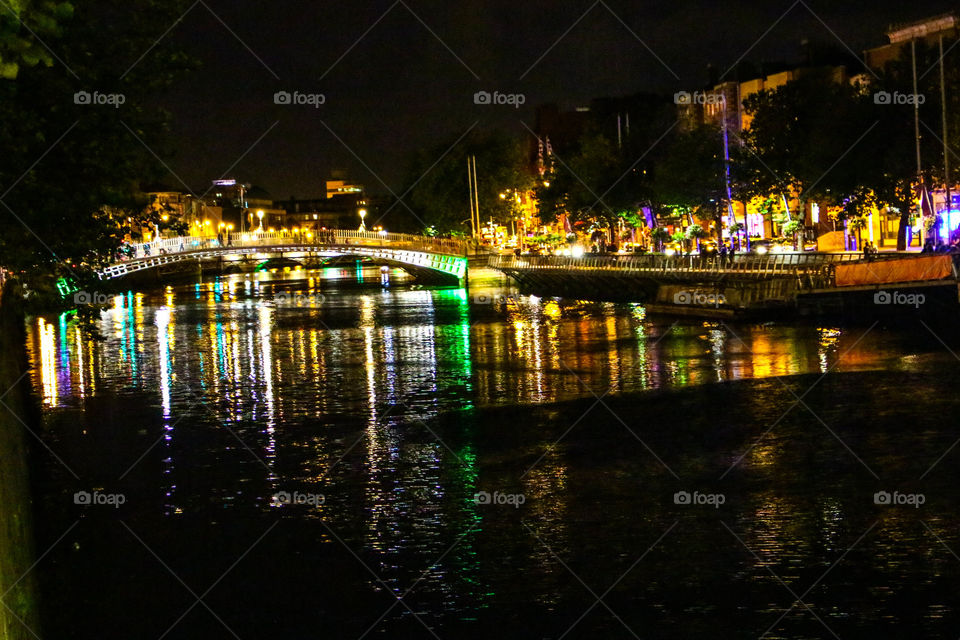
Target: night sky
{"x": 409, "y": 82}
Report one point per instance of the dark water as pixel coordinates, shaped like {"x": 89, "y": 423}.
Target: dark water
{"x": 583, "y": 422}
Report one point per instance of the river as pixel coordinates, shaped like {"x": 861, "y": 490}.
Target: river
{"x": 324, "y": 455}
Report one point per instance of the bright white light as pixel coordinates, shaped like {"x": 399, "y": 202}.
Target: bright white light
{"x": 577, "y": 251}
{"x": 670, "y": 252}
{"x": 761, "y": 249}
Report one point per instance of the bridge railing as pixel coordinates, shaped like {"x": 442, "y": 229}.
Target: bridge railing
{"x": 812, "y": 270}
{"x": 321, "y": 238}
{"x": 661, "y": 261}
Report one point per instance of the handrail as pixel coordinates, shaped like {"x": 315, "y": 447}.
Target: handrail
{"x": 335, "y": 237}
{"x": 810, "y": 270}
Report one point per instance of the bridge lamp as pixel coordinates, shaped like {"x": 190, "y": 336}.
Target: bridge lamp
{"x": 260, "y": 218}
{"x": 363, "y": 214}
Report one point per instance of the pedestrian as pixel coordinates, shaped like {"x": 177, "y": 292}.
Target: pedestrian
{"x": 866, "y": 250}
{"x": 723, "y": 253}
{"x": 220, "y": 238}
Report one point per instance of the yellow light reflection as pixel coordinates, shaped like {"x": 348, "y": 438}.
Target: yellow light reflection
{"x": 48, "y": 362}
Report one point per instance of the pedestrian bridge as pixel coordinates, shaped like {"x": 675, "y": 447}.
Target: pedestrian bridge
{"x": 445, "y": 260}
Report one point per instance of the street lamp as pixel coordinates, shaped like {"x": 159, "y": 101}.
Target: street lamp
{"x": 363, "y": 214}
{"x": 260, "y": 218}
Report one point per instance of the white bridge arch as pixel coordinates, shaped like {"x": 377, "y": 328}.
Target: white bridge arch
{"x": 447, "y": 257}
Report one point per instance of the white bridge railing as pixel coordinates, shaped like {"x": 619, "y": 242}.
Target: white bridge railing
{"x": 331, "y": 237}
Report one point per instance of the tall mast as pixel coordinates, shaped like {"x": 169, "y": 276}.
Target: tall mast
{"x": 946, "y": 150}
{"x": 916, "y": 125}
{"x": 473, "y": 229}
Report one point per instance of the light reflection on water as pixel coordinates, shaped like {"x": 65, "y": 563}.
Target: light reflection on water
{"x": 232, "y": 341}
{"x": 340, "y": 394}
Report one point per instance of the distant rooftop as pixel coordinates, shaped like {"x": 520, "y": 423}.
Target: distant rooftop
{"x": 921, "y": 28}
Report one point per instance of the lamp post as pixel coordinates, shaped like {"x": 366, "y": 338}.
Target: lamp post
{"x": 363, "y": 214}
{"x": 260, "y": 218}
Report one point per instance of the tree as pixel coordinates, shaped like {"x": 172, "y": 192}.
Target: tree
{"x": 857, "y": 224}
{"x": 690, "y": 175}
{"x": 802, "y": 134}
{"x": 438, "y": 193}
{"x": 735, "y": 230}
{"x": 790, "y": 229}
{"x": 72, "y": 169}
{"x": 696, "y": 233}
{"x": 659, "y": 235}
{"x": 25, "y": 25}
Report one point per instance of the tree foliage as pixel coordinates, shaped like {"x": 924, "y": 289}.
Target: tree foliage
{"x": 71, "y": 169}
{"x": 437, "y": 189}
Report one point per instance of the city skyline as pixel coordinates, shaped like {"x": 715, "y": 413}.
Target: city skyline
{"x": 397, "y": 78}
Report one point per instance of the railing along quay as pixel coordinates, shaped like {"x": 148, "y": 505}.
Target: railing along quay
{"x": 812, "y": 270}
